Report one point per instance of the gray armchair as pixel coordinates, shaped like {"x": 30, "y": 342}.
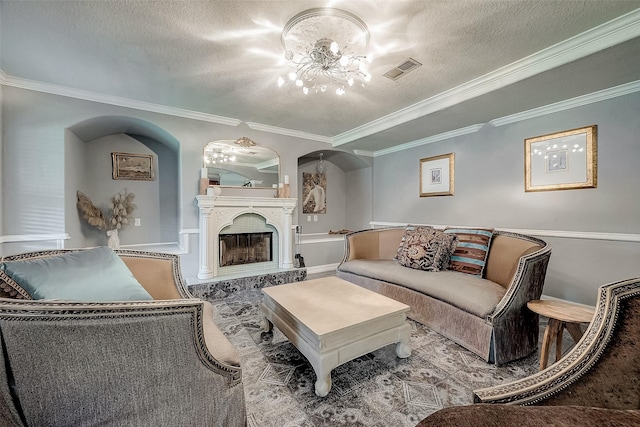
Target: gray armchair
{"x": 141, "y": 363}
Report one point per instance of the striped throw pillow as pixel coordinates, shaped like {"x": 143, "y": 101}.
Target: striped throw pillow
{"x": 470, "y": 255}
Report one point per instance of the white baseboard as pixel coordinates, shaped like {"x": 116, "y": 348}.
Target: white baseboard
{"x": 322, "y": 268}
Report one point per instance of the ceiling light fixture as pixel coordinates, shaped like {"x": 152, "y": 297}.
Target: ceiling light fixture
{"x": 219, "y": 154}
{"x": 325, "y": 47}
{"x": 320, "y": 166}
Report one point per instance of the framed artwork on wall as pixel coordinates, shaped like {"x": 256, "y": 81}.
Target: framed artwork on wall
{"x": 561, "y": 161}
{"x": 132, "y": 166}
{"x": 314, "y": 191}
{"x": 437, "y": 175}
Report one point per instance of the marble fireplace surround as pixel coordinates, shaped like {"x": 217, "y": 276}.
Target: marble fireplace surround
{"x": 218, "y": 212}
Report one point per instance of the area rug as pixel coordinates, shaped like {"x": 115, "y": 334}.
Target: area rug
{"x": 377, "y": 389}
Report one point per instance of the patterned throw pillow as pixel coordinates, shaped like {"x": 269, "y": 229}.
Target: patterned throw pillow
{"x": 470, "y": 255}
{"x": 425, "y": 248}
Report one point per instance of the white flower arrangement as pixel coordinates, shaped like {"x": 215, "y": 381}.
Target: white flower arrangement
{"x": 121, "y": 208}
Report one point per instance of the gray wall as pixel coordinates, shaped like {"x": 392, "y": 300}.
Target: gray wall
{"x": 100, "y": 187}
{"x": 349, "y": 198}
{"x": 168, "y": 178}
{"x": 489, "y": 182}
{"x": 1, "y": 168}
{"x": 33, "y": 164}
{"x": 489, "y": 191}
{"x": 359, "y": 199}
{"x": 75, "y": 177}
{"x": 322, "y": 254}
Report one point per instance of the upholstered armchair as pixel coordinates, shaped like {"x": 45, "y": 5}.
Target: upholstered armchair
{"x": 157, "y": 362}
{"x": 597, "y": 383}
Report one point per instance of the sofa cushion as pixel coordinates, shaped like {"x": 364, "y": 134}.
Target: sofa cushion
{"x": 96, "y": 274}
{"x": 470, "y": 255}
{"x": 474, "y": 295}
{"x": 425, "y": 248}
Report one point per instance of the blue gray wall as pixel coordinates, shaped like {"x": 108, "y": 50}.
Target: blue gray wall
{"x": 38, "y": 192}
{"x": 36, "y": 184}
{"x": 489, "y": 191}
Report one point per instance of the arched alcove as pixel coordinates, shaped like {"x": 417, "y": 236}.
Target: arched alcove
{"x": 348, "y": 191}
{"x": 88, "y": 168}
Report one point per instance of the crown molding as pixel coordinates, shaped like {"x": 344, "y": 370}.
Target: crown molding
{"x": 567, "y": 104}
{"x": 289, "y": 132}
{"x": 267, "y": 164}
{"x": 430, "y": 139}
{"x": 601, "y": 37}
{"x": 618, "y": 30}
{"x": 86, "y": 95}
{"x": 364, "y": 153}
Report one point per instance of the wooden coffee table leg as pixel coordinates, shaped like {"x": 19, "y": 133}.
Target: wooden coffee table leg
{"x": 322, "y": 365}
{"x": 323, "y": 384}
{"x": 266, "y": 325}
{"x": 403, "y": 350}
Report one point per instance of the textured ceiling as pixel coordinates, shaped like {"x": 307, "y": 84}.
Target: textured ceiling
{"x": 223, "y": 57}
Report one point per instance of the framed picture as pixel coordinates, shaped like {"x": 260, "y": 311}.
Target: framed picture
{"x": 132, "y": 166}
{"x": 314, "y": 192}
{"x": 561, "y": 161}
{"x": 436, "y": 175}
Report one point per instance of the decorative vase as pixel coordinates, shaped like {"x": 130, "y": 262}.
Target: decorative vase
{"x": 113, "y": 241}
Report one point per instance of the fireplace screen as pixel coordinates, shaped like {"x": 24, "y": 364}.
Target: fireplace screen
{"x": 245, "y": 248}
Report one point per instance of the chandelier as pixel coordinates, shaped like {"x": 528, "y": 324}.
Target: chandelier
{"x": 325, "y": 47}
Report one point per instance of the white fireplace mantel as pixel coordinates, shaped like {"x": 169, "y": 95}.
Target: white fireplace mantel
{"x": 218, "y": 212}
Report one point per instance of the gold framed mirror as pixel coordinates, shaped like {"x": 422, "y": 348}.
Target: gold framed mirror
{"x": 241, "y": 163}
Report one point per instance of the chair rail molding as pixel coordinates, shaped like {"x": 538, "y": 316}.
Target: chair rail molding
{"x": 587, "y": 235}
{"x": 14, "y": 238}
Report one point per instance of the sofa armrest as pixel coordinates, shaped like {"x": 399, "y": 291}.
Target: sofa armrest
{"x": 515, "y": 328}
{"x": 527, "y": 281}
{"x": 220, "y": 347}
{"x": 379, "y": 243}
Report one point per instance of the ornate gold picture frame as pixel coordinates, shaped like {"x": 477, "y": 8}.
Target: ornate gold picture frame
{"x": 132, "y": 166}
{"x": 437, "y": 175}
{"x": 561, "y": 161}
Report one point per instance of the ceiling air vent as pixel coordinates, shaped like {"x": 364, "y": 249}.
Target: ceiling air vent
{"x": 398, "y": 71}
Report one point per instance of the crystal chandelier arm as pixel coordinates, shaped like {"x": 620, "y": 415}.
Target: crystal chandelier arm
{"x": 330, "y": 60}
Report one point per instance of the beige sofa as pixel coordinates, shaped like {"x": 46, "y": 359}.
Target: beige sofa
{"x": 136, "y": 363}
{"x": 485, "y": 315}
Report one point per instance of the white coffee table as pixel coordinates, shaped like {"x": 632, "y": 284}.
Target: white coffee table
{"x": 332, "y": 321}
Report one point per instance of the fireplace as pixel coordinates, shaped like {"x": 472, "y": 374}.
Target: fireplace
{"x": 245, "y": 248}
{"x": 219, "y": 215}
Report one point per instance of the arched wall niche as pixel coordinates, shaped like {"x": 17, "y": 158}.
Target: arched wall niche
{"x": 348, "y": 193}
{"x": 88, "y": 168}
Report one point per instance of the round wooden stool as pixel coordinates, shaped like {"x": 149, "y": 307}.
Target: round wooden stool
{"x": 562, "y": 315}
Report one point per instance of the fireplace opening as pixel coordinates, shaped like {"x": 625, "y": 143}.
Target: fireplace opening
{"x": 245, "y": 248}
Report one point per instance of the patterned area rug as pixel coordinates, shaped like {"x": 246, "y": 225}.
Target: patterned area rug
{"x": 377, "y": 389}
